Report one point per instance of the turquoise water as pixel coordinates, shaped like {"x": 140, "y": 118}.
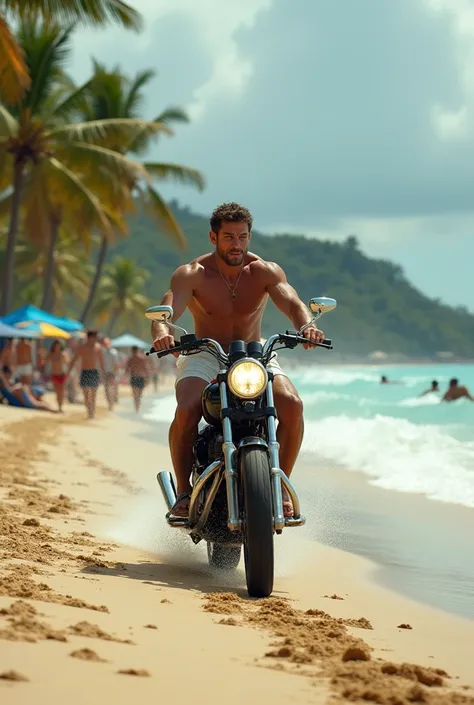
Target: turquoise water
{"x": 402, "y": 441}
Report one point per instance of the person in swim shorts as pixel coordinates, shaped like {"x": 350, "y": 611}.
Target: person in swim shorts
{"x": 91, "y": 357}
{"x": 137, "y": 367}
{"x": 58, "y": 358}
{"x": 226, "y": 292}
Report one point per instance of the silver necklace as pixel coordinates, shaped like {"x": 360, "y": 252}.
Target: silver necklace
{"x": 231, "y": 288}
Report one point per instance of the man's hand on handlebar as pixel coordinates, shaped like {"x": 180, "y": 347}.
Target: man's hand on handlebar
{"x": 165, "y": 341}
{"x": 313, "y": 335}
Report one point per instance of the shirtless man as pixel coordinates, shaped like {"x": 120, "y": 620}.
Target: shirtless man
{"x": 226, "y": 292}
{"x": 456, "y": 392}
{"x": 91, "y": 357}
{"x": 137, "y": 367}
{"x": 24, "y": 361}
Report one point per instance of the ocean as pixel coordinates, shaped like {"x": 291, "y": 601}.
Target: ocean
{"x": 386, "y": 473}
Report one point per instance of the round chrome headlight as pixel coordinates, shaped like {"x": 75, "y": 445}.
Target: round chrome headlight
{"x": 247, "y": 378}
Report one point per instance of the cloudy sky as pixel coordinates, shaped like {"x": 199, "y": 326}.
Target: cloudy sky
{"x": 324, "y": 117}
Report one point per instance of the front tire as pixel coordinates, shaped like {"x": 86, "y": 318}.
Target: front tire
{"x": 258, "y": 520}
{"x": 223, "y": 557}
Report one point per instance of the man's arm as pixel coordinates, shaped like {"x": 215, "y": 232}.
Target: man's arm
{"x": 72, "y": 363}
{"x": 286, "y": 299}
{"x": 178, "y": 296}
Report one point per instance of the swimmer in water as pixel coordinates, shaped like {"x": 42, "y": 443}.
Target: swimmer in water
{"x": 456, "y": 392}
{"x": 434, "y": 388}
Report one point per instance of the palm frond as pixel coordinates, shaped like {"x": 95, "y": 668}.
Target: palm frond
{"x": 92, "y": 12}
{"x": 157, "y": 208}
{"x": 47, "y": 46}
{"x": 103, "y": 132}
{"x": 172, "y": 114}
{"x": 97, "y": 163}
{"x": 175, "y": 172}
{"x": 8, "y": 124}
{"x": 14, "y": 76}
{"x": 67, "y": 187}
{"x": 134, "y": 96}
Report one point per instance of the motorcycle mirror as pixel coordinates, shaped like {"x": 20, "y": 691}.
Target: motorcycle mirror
{"x": 159, "y": 313}
{"x": 322, "y": 304}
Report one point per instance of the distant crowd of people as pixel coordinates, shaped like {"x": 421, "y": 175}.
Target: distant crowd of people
{"x": 453, "y": 392}
{"x": 77, "y": 364}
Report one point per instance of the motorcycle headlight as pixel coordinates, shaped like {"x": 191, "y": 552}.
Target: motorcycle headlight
{"x": 247, "y": 379}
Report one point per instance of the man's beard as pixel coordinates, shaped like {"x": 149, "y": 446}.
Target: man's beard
{"x": 232, "y": 260}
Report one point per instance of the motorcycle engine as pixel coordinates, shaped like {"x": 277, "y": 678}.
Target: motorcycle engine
{"x": 208, "y": 447}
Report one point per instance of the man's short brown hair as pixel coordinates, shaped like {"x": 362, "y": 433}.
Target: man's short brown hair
{"x": 230, "y": 213}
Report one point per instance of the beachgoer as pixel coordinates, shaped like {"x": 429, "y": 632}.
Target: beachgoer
{"x": 226, "y": 292}
{"x": 58, "y": 359}
{"x": 24, "y": 361}
{"x": 111, "y": 364}
{"x": 23, "y": 394}
{"x": 434, "y": 388}
{"x": 137, "y": 367}
{"x": 91, "y": 357}
{"x": 455, "y": 391}
{"x": 7, "y": 358}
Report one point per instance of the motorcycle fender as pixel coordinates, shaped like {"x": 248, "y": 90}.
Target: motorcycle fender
{"x": 251, "y": 441}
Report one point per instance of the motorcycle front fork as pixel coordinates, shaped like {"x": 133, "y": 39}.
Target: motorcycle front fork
{"x": 277, "y": 475}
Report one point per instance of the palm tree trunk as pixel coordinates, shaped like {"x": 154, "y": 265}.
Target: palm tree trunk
{"x": 47, "y": 301}
{"x": 95, "y": 282}
{"x": 113, "y": 321}
{"x": 9, "y": 264}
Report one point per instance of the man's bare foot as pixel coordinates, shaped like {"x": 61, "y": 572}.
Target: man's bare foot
{"x": 288, "y": 510}
{"x": 181, "y": 507}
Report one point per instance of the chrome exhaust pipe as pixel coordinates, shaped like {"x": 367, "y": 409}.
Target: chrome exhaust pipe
{"x": 167, "y": 486}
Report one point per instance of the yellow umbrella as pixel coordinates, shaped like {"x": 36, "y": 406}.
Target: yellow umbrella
{"x": 47, "y": 330}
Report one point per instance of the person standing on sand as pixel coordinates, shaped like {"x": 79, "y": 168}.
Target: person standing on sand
{"x": 456, "y": 392}
{"x": 111, "y": 363}
{"x": 91, "y": 357}
{"x": 137, "y": 367}
{"x": 24, "y": 362}
{"x": 58, "y": 359}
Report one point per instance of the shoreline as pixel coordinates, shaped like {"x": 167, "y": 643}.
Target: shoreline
{"x": 103, "y": 568}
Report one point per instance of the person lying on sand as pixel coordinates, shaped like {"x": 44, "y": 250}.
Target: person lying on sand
{"x": 23, "y": 394}
{"x": 456, "y": 392}
{"x": 434, "y": 388}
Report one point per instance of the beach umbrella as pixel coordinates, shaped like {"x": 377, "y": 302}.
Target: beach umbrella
{"x": 11, "y": 332}
{"x": 42, "y": 330}
{"x": 128, "y": 341}
{"x": 36, "y": 315}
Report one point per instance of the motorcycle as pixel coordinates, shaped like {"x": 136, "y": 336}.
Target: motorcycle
{"x": 236, "y": 478}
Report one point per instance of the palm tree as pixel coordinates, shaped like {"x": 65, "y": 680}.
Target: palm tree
{"x": 70, "y": 277}
{"x": 119, "y": 297}
{"x": 14, "y": 76}
{"x": 112, "y": 95}
{"x": 60, "y": 173}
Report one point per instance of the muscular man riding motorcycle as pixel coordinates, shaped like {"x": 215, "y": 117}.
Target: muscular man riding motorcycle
{"x": 226, "y": 292}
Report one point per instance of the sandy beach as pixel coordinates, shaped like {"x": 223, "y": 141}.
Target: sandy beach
{"x": 101, "y": 602}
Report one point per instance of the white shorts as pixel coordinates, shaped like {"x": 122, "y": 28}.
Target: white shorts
{"x": 205, "y": 366}
{"x": 24, "y": 370}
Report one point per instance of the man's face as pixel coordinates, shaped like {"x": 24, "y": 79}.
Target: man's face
{"x": 232, "y": 242}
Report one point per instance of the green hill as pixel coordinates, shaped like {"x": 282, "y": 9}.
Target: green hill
{"x": 378, "y": 308}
